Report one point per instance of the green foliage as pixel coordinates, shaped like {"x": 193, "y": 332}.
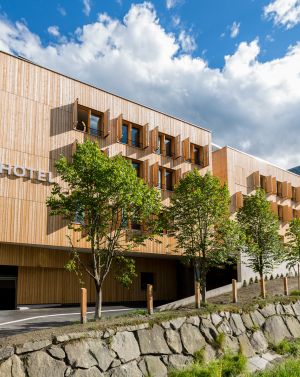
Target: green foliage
{"x": 199, "y": 220}
{"x": 126, "y": 270}
{"x": 262, "y": 244}
{"x": 103, "y": 193}
{"x": 289, "y": 368}
{"x": 295, "y": 293}
{"x": 228, "y": 366}
{"x": 292, "y": 252}
{"x": 288, "y": 347}
{"x": 199, "y": 356}
{"x": 219, "y": 342}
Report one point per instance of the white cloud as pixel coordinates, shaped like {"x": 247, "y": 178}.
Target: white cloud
{"x": 187, "y": 42}
{"x": 54, "y": 30}
{"x": 247, "y": 104}
{"x": 87, "y": 7}
{"x": 235, "y": 29}
{"x": 172, "y": 3}
{"x": 61, "y": 10}
{"x": 284, "y": 12}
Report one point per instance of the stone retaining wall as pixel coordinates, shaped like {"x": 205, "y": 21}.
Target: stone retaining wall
{"x": 142, "y": 350}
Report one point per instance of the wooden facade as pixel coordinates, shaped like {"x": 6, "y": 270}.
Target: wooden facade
{"x": 245, "y": 173}
{"x": 40, "y": 121}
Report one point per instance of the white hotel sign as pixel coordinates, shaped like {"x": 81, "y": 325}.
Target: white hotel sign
{"x": 24, "y": 172}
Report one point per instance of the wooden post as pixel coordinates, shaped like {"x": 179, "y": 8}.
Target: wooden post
{"x": 197, "y": 295}
{"x": 285, "y": 286}
{"x": 263, "y": 287}
{"x": 150, "y": 298}
{"x": 234, "y": 291}
{"x": 83, "y": 305}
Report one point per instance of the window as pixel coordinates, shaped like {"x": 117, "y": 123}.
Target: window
{"x": 294, "y": 193}
{"x": 165, "y": 145}
{"x": 160, "y": 174}
{"x": 137, "y": 166}
{"x": 168, "y": 146}
{"x": 146, "y": 278}
{"x": 280, "y": 212}
{"x": 169, "y": 180}
{"x": 89, "y": 121}
{"x": 263, "y": 182}
{"x": 79, "y": 216}
{"x": 279, "y": 188}
{"x": 124, "y": 139}
{"x": 135, "y": 137}
{"x": 196, "y": 153}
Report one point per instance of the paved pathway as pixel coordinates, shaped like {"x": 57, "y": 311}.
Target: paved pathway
{"x": 16, "y": 321}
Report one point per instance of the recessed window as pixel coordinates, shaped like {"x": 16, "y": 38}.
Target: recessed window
{"x": 124, "y": 139}
{"x": 137, "y": 167}
{"x": 146, "y": 278}
{"x": 168, "y": 146}
{"x": 263, "y": 182}
{"x": 280, "y": 212}
{"x": 196, "y": 153}
{"x": 160, "y": 173}
{"x": 89, "y": 121}
{"x": 95, "y": 125}
{"x": 279, "y": 188}
{"x": 294, "y": 193}
{"x": 169, "y": 180}
{"x": 135, "y": 136}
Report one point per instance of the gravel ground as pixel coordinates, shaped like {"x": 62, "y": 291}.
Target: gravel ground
{"x": 246, "y": 294}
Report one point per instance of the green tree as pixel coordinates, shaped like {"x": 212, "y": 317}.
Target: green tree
{"x": 199, "y": 220}
{"x": 263, "y": 246}
{"x": 292, "y": 249}
{"x": 103, "y": 194}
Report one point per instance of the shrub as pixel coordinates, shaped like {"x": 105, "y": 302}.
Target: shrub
{"x": 290, "y": 368}
{"x": 295, "y": 293}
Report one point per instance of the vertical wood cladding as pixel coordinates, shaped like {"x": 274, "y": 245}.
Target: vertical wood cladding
{"x": 38, "y": 113}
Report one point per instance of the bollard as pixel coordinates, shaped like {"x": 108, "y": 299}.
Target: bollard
{"x": 83, "y": 305}
{"x": 150, "y": 298}
{"x": 285, "y": 286}
{"x": 197, "y": 295}
{"x": 234, "y": 291}
{"x": 263, "y": 288}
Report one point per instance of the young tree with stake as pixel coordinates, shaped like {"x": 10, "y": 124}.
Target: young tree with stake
{"x": 104, "y": 194}
{"x": 292, "y": 248}
{"x": 199, "y": 221}
{"x": 263, "y": 246}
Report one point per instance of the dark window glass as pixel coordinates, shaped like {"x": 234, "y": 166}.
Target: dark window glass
{"x": 83, "y": 117}
{"x": 135, "y": 225}
{"x": 159, "y": 178}
{"x": 197, "y": 155}
{"x": 79, "y": 217}
{"x": 146, "y": 278}
{"x": 136, "y": 166}
{"x": 279, "y": 188}
{"x": 135, "y": 137}
{"x": 124, "y": 134}
{"x": 95, "y": 123}
{"x": 169, "y": 183}
{"x": 168, "y": 146}
{"x": 263, "y": 182}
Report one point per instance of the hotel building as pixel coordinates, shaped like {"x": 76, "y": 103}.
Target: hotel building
{"x": 243, "y": 174}
{"x": 43, "y": 115}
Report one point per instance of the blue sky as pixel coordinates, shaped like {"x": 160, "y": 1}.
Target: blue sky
{"x": 232, "y": 66}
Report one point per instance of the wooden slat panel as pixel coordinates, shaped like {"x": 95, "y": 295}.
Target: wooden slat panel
{"x": 154, "y": 139}
{"x": 298, "y": 194}
{"x": 145, "y": 136}
{"x": 274, "y": 208}
{"x": 287, "y": 213}
{"x": 269, "y": 185}
{"x": 239, "y": 200}
{"x": 205, "y": 156}
{"x": 154, "y": 174}
{"x": 106, "y": 123}
{"x": 145, "y": 171}
{"x": 256, "y": 179}
{"x": 178, "y": 147}
{"x": 274, "y": 185}
{"x": 75, "y": 113}
{"x": 177, "y": 176}
{"x": 285, "y": 189}
{"x": 186, "y": 149}
{"x": 119, "y": 127}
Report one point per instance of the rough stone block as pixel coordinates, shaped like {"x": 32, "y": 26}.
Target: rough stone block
{"x": 57, "y": 352}
{"x": 268, "y": 310}
{"x": 248, "y": 323}
{"x": 6, "y": 352}
{"x": 191, "y": 338}
{"x": 152, "y": 341}
{"x": 257, "y": 318}
{"x": 245, "y": 346}
{"x": 293, "y": 325}
{"x": 195, "y": 320}
{"x": 155, "y": 366}
{"x": 92, "y": 372}
{"x": 126, "y": 346}
{"x": 208, "y": 330}
{"x": 275, "y": 330}
{"x": 33, "y": 346}
{"x": 237, "y": 324}
{"x": 177, "y": 322}
{"x": 40, "y": 364}
{"x": 127, "y": 370}
{"x": 89, "y": 353}
{"x": 179, "y": 361}
{"x": 296, "y": 308}
{"x": 12, "y": 367}
{"x": 216, "y": 319}
{"x": 173, "y": 340}
{"x": 258, "y": 341}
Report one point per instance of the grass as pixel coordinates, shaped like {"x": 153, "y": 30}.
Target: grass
{"x": 288, "y": 347}
{"x": 228, "y": 366}
{"x": 295, "y": 293}
{"x": 289, "y": 368}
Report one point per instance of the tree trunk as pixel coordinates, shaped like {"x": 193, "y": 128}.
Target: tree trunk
{"x": 203, "y": 287}
{"x": 262, "y": 286}
{"x": 98, "y": 308}
{"x": 298, "y": 277}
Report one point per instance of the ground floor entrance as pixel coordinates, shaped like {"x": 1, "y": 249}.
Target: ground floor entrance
{"x": 8, "y": 287}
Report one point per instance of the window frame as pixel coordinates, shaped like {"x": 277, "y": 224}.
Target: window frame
{"x": 90, "y": 112}
{"x": 130, "y": 126}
